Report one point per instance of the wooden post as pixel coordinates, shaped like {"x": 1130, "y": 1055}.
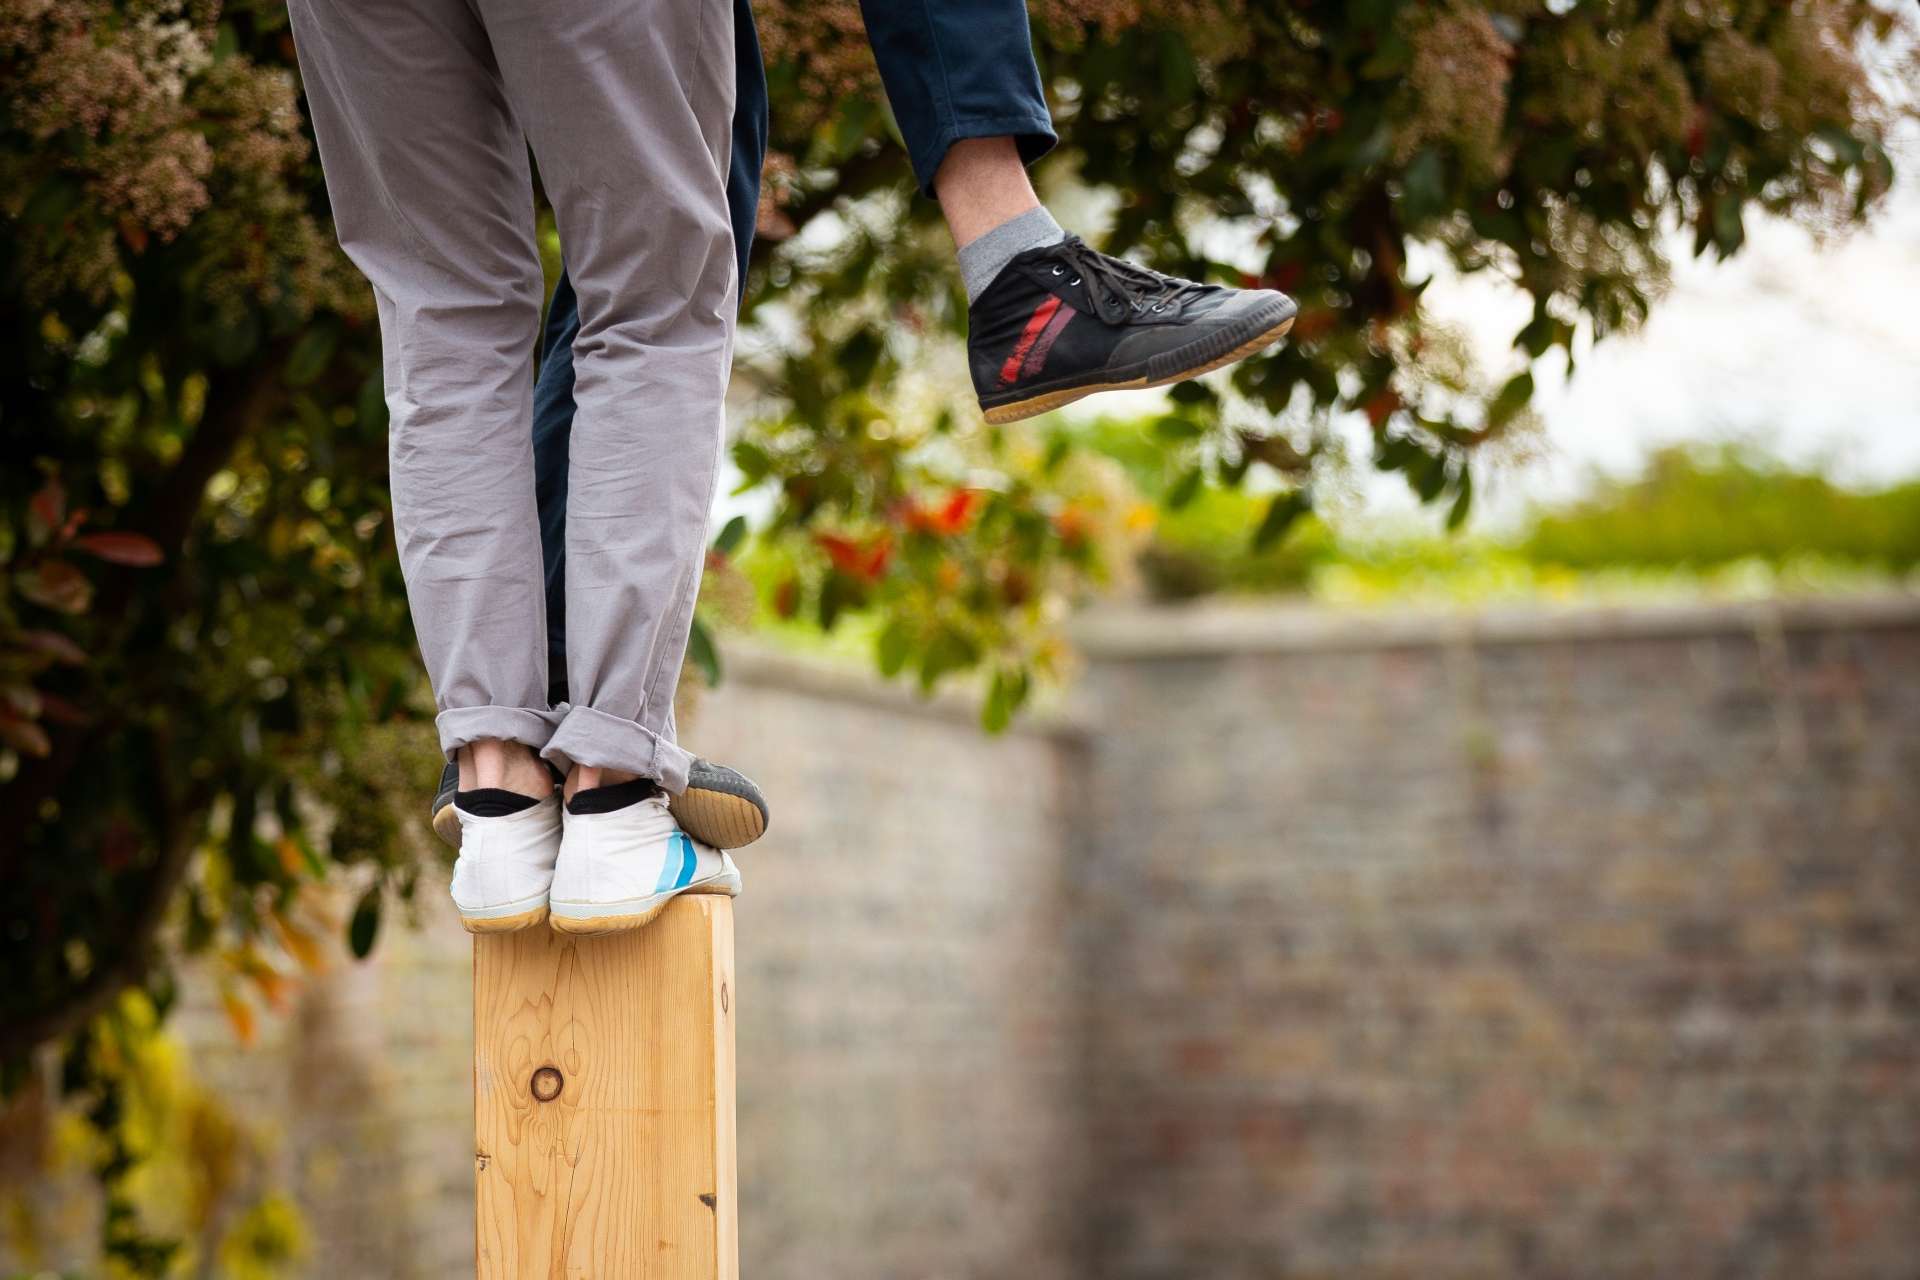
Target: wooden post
{"x": 603, "y": 1100}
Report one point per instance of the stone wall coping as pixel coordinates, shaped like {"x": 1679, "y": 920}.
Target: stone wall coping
{"x": 1216, "y": 629}
{"x": 955, "y": 701}
{"x": 1171, "y": 631}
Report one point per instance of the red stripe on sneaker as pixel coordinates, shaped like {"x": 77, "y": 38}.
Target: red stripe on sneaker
{"x": 1036, "y": 323}
{"x": 1037, "y": 358}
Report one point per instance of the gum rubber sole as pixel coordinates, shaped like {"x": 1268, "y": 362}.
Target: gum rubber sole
{"x": 716, "y": 818}
{"x": 728, "y": 886}
{"x": 446, "y": 824}
{"x": 1051, "y": 400}
{"x": 505, "y": 924}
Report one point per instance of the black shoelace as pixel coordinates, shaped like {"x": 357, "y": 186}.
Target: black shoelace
{"x": 1117, "y": 287}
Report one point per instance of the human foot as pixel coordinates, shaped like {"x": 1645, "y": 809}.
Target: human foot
{"x": 721, "y": 806}
{"x": 508, "y": 845}
{"x": 1064, "y": 321}
{"x": 623, "y": 858}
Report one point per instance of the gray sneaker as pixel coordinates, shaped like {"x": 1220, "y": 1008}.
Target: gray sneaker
{"x": 720, "y": 806}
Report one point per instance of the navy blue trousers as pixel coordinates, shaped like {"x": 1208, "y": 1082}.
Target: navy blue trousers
{"x": 952, "y": 69}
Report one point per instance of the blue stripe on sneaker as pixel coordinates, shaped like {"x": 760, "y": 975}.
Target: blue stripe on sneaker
{"x": 689, "y": 862}
{"x": 672, "y": 865}
{"x": 677, "y": 868}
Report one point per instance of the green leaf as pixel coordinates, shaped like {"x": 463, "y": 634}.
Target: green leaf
{"x": 232, "y": 342}
{"x": 365, "y": 925}
{"x": 1005, "y": 693}
{"x": 1186, "y": 489}
{"x": 731, "y": 535}
{"x": 1425, "y": 184}
{"x": 1057, "y": 450}
{"x": 1728, "y": 231}
{"x": 893, "y": 646}
{"x": 371, "y": 409}
{"x": 951, "y": 650}
{"x": 1462, "y": 500}
{"x": 52, "y": 202}
{"x": 1512, "y": 398}
{"x": 1281, "y": 513}
{"x": 1177, "y": 429}
{"x": 838, "y": 594}
{"x": 753, "y": 463}
{"x": 703, "y": 652}
{"x": 311, "y": 355}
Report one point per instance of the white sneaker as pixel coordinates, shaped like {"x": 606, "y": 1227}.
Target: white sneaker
{"x": 505, "y": 868}
{"x": 618, "y": 869}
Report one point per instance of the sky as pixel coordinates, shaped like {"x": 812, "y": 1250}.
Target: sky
{"x": 1807, "y": 348}
{"x": 1810, "y": 349}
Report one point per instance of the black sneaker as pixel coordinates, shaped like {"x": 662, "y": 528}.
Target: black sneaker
{"x": 720, "y": 806}
{"x": 1064, "y": 321}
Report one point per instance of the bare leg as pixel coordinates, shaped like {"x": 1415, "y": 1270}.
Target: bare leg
{"x": 981, "y": 184}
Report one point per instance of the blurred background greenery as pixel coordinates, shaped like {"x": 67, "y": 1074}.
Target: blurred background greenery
{"x": 209, "y": 700}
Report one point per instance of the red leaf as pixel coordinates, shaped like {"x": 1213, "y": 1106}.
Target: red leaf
{"x": 135, "y": 549}
{"x": 24, "y": 736}
{"x": 57, "y": 585}
{"x": 1381, "y": 406}
{"x": 865, "y": 562}
{"x": 46, "y": 509}
{"x": 953, "y": 516}
{"x": 55, "y": 707}
{"x": 786, "y": 598}
{"x": 55, "y": 646}
{"x": 843, "y": 552}
{"x": 134, "y": 234}
{"x": 959, "y": 511}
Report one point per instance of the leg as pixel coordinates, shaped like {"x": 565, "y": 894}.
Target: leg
{"x": 1049, "y": 320}
{"x": 432, "y": 200}
{"x": 719, "y": 806}
{"x": 553, "y": 405}
{"x": 644, "y": 90}
{"x": 957, "y": 69}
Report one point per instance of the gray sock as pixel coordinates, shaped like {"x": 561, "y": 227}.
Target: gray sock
{"x": 981, "y": 259}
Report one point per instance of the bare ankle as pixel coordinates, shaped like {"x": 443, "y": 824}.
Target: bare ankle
{"x": 981, "y": 183}
{"x": 584, "y": 777}
{"x": 508, "y": 766}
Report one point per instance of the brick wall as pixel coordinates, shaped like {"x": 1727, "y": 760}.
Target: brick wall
{"x": 1581, "y": 945}
{"x": 1522, "y": 946}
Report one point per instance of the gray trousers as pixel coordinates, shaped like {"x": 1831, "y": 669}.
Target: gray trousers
{"x": 424, "y": 111}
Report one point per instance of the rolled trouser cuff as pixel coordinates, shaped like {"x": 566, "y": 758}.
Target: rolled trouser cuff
{"x": 603, "y": 741}
{"x": 459, "y": 726}
{"x": 1032, "y": 134}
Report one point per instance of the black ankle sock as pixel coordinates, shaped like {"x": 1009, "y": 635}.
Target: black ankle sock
{"x": 617, "y": 796}
{"x": 492, "y": 802}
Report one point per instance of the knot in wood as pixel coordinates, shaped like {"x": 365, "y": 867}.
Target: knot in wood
{"x": 547, "y": 1083}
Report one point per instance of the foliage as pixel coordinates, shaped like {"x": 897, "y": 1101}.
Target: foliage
{"x": 1721, "y": 520}
{"x": 184, "y": 1184}
{"x": 1313, "y": 146}
{"x": 1703, "y": 508}
{"x": 205, "y": 713}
